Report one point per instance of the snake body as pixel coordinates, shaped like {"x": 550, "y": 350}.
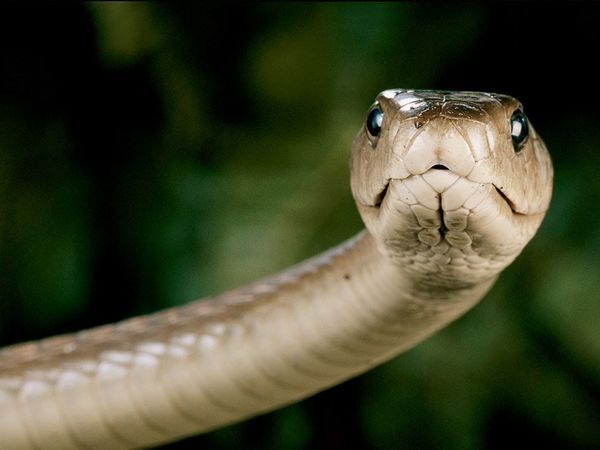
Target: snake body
{"x": 449, "y": 199}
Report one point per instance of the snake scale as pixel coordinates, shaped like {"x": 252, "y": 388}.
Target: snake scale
{"x": 450, "y": 185}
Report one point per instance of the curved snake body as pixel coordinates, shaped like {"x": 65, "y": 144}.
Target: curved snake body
{"x": 448, "y": 202}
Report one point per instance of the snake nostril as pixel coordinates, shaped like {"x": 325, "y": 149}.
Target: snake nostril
{"x": 439, "y": 167}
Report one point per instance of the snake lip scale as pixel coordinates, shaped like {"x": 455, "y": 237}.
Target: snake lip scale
{"x": 451, "y": 186}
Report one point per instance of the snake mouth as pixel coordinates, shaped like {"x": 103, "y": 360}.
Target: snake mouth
{"x": 508, "y": 201}
{"x": 439, "y": 167}
{"x": 379, "y": 197}
{"x": 499, "y": 190}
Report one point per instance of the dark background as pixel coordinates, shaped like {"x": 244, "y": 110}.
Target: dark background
{"x": 155, "y": 153}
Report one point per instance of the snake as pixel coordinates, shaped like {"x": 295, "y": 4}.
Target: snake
{"x": 451, "y": 186}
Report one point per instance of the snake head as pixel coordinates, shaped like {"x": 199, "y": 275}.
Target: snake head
{"x": 450, "y": 183}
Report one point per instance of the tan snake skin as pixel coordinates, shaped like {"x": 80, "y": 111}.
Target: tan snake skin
{"x": 448, "y": 203}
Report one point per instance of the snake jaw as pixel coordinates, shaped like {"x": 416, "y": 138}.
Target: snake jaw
{"x": 445, "y": 206}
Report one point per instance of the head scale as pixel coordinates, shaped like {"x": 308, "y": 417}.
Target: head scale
{"x": 451, "y": 185}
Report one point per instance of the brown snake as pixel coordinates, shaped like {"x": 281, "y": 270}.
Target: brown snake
{"x": 450, "y": 185}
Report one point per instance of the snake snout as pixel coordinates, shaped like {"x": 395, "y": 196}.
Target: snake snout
{"x": 440, "y": 145}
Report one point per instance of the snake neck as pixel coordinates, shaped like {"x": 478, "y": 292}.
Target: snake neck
{"x": 194, "y": 368}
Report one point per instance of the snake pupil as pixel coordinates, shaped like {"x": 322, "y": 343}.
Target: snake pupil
{"x": 519, "y": 130}
{"x": 374, "y": 120}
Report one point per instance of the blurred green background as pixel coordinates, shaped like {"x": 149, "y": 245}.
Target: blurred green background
{"x": 155, "y": 153}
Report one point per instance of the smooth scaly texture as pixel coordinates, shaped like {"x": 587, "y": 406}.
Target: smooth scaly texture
{"x": 448, "y": 204}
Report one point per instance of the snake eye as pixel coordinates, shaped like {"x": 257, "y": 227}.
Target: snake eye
{"x": 519, "y": 129}
{"x": 374, "y": 120}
